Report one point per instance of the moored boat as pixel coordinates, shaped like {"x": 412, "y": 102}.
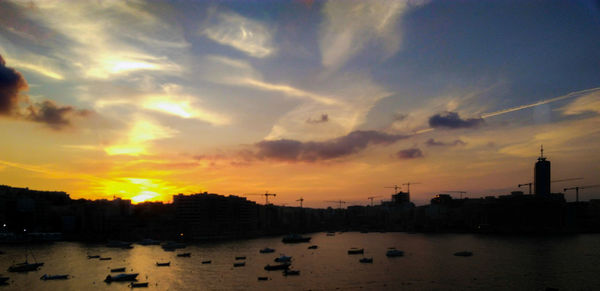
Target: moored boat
{"x": 366, "y": 260}
{"x": 25, "y": 267}
{"x": 394, "y": 253}
{"x": 355, "y": 251}
{"x": 287, "y": 272}
{"x": 263, "y": 278}
{"x": 3, "y": 280}
{"x": 283, "y": 259}
{"x": 121, "y": 278}
{"x": 93, "y": 256}
{"x": 186, "y": 255}
{"x": 313, "y": 247}
{"x": 283, "y": 266}
{"x": 138, "y": 284}
{"x": 106, "y": 259}
{"x": 117, "y": 270}
{"x": 266, "y": 250}
{"x": 206, "y": 262}
{"x": 240, "y": 264}
{"x": 54, "y": 277}
{"x": 163, "y": 264}
{"x": 295, "y": 238}
{"x": 240, "y": 258}
{"x": 463, "y": 254}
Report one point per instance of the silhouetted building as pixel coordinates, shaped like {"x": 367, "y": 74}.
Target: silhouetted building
{"x": 541, "y": 176}
{"x": 401, "y": 197}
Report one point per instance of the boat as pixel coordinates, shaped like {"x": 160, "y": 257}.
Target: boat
{"x": 54, "y": 277}
{"x": 394, "y": 253}
{"x": 263, "y": 278}
{"x": 240, "y": 264}
{"x": 313, "y": 247}
{"x": 149, "y": 242}
{"x": 366, "y": 260}
{"x": 106, "y": 259}
{"x": 283, "y": 259}
{"x": 93, "y": 257}
{"x": 121, "y": 278}
{"x": 463, "y": 254}
{"x": 138, "y": 284}
{"x": 240, "y": 258}
{"x": 117, "y": 270}
{"x": 119, "y": 244}
{"x": 266, "y": 250}
{"x": 187, "y": 255}
{"x": 25, "y": 267}
{"x": 206, "y": 262}
{"x": 283, "y": 266}
{"x": 355, "y": 251}
{"x": 295, "y": 238}
{"x": 287, "y": 272}
{"x": 163, "y": 264}
{"x": 3, "y": 280}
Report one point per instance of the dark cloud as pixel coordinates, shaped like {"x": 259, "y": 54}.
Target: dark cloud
{"x": 47, "y": 112}
{"x": 452, "y": 120}
{"x": 11, "y": 83}
{"x": 54, "y": 116}
{"x": 293, "y": 150}
{"x": 432, "y": 142}
{"x": 400, "y": 116}
{"x": 409, "y": 154}
{"x": 324, "y": 118}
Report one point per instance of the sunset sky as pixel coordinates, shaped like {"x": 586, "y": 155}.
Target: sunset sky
{"x": 324, "y": 100}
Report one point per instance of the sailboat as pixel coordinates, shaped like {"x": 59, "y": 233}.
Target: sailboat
{"x": 25, "y": 266}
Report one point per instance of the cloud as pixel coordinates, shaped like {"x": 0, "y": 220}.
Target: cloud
{"x": 349, "y": 26}
{"x": 138, "y": 140}
{"x": 412, "y": 153}
{"x": 400, "y": 116}
{"x": 46, "y": 112}
{"x": 56, "y": 117}
{"x": 294, "y": 151}
{"x": 324, "y": 118}
{"x": 433, "y": 142}
{"x": 586, "y": 103}
{"x": 11, "y": 83}
{"x": 243, "y": 34}
{"x": 452, "y": 120}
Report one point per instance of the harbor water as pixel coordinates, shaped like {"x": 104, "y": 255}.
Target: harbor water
{"x": 498, "y": 263}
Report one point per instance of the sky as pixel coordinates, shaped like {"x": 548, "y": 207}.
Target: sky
{"x": 324, "y": 100}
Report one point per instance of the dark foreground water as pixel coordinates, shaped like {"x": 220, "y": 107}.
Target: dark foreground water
{"x": 498, "y": 263}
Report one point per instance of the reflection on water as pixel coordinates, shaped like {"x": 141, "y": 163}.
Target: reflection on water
{"x": 499, "y": 263}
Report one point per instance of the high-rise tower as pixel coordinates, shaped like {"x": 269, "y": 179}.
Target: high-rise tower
{"x": 541, "y": 175}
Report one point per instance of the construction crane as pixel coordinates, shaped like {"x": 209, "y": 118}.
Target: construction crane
{"x": 339, "y": 201}
{"x": 554, "y": 181}
{"x": 396, "y": 188}
{"x": 267, "y": 194}
{"x": 461, "y": 192}
{"x": 525, "y": 184}
{"x": 577, "y": 190}
{"x": 408, "y": 186}
{"x": 371, "y": 198}
{"x": 301, "y": 200}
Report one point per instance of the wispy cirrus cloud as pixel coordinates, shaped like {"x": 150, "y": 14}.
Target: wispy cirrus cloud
{"x": 349, "y": 26}
{"x": 244, "y": 34}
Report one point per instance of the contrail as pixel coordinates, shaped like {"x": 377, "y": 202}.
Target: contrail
{"x": 500, "y": 112}
{"x": 570, "y": 95}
